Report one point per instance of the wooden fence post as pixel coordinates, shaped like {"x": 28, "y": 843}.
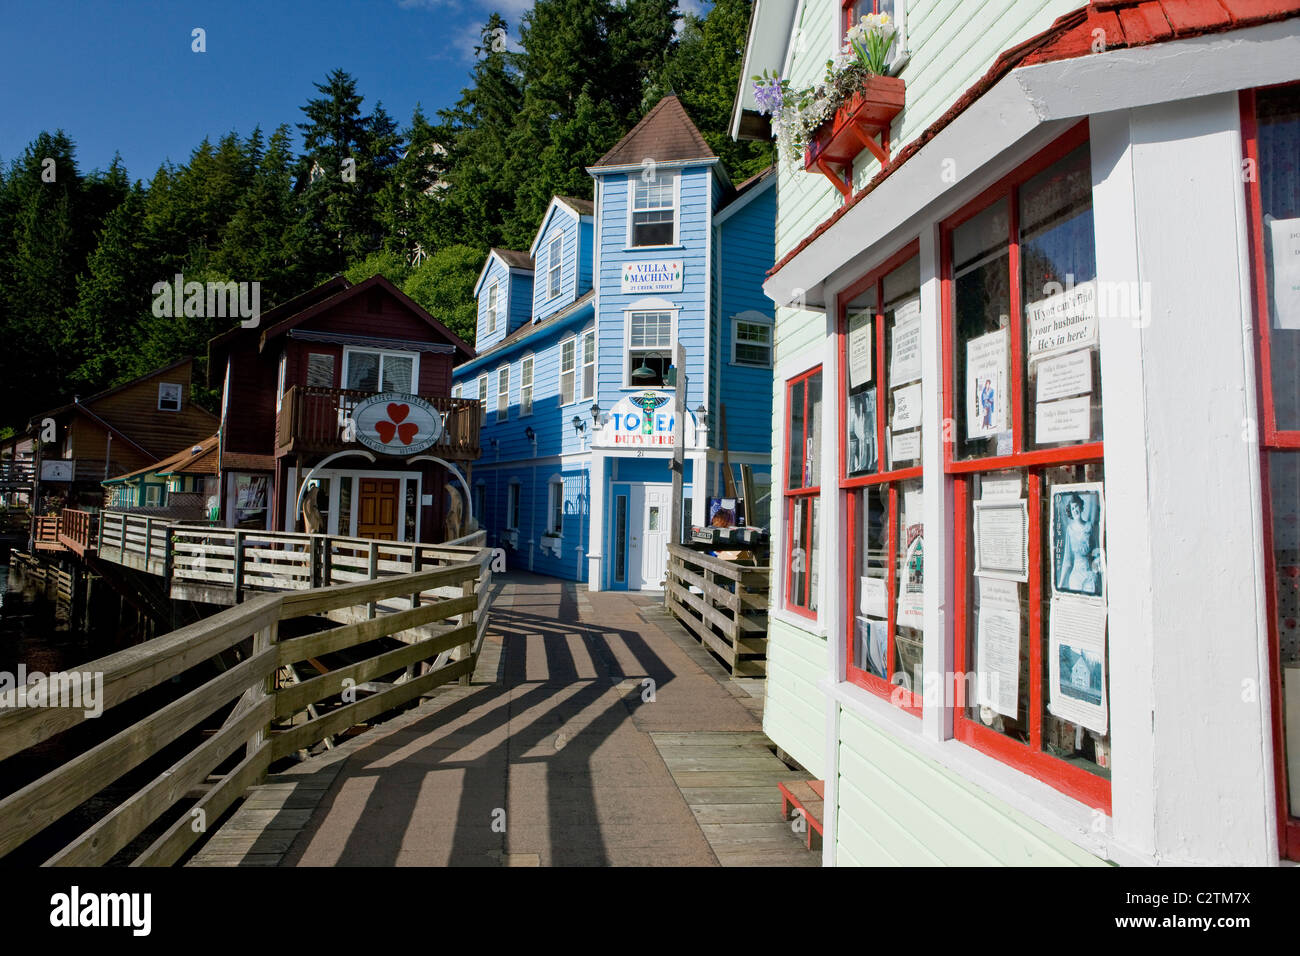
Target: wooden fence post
{"x": 148, "y": 542}
{"x": 239, "y": 567}
{"x": 374, "y": 574}
{"x": 262, "y": 640}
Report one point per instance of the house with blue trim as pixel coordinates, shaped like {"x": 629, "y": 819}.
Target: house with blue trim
{"x": 574, "y": 479}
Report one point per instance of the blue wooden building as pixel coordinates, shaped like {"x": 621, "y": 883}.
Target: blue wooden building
{"x": 575, "y": 338}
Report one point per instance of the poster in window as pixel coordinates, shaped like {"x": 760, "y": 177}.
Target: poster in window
{"x": 1078, "y": 536}
{"x": 997, "y": 646}
{"x": 911, "y": 578}
{"x": 987, "y": 395}
{"x": 1064, "y": 321}
{"x": 905, "y": 360}
{"x": 907, "y": 407}
{"x": 1002, "y": 539}
{"x": 1077, "y": 663}
{"x": 860, "y": 328}
{"x": 872, "y": 639}
{"x": 1284, "y": 235}
{"x": 862, "y": 433}
{"x": 1070, "y": 374}
{"x": 250, "y": 497}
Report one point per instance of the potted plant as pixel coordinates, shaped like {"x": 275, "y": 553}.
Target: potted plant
{"x": 829, "y": 123}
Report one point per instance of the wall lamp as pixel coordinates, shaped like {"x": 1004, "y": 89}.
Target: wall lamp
{"x": 530, "y": 434}
{"x": 702, "y": 414}
{"x": 579, "y": 426}
{"x": 595, "y": 414}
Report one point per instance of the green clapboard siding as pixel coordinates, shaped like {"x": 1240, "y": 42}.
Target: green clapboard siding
{"x": 794, "y": 714}
{"x": 899, "y": 808}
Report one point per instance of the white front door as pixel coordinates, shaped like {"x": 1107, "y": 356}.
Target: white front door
{"x": 648, "y": 544}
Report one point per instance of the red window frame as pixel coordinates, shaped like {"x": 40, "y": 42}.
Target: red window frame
{"x": 846, "y": 13}
{"x": 799, "y": 497}
{"x": 850, "y": 486}
{"x": 1029, "y": 757}
{"x": 1272, "y": 439}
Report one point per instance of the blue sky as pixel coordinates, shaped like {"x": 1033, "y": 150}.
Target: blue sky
{"x": 121, "y": 76}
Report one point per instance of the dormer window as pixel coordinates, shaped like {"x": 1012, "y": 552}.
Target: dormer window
{"x": 492, "y": 308}
{"x": 169, "y": 397}
{"x": 654, "y": 211}
{"x": 554, "y": 260}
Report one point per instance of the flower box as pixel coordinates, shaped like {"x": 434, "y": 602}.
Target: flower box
{"x": 853, "y": 128}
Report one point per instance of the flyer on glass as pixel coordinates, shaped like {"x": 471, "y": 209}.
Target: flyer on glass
{"x": 997, "y": 646}
{"x": 1077, "y": 534}
{"x": 1077, "y": 663}
{"x": 987, "y": 394}
{"x": 859, "y": 348}
{"x": 1002, "y": 539}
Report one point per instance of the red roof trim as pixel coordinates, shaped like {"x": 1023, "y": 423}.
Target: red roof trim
{"x": 1124, "y": 23}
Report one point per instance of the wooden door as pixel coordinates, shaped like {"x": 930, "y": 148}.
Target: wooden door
{"x": 377, "y": 509}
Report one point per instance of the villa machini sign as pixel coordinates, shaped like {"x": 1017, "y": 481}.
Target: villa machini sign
{"x": 644, "y": 420}
{"x": 393, "y": 423}
{"x": 652, "y": 276}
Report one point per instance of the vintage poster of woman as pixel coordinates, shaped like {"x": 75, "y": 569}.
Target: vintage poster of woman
{"x": 1078, "y": 536}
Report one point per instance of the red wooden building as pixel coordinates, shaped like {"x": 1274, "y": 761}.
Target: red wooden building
{"x": 300, "y": 402}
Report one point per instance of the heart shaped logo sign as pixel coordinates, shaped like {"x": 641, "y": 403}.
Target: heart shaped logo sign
{"x": 385, "y": 431}
{"x": 407, "y": 432}
{"x": 397, "y": 412}
{"x": 396, "y": 423}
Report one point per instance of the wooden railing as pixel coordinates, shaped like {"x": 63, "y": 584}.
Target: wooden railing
{"x": 135, "y": 541}
{"x": 724, "y": 604}
{"x": 312, "y": 420}
{"x": 241, "y": 719}
{"x": 78, "y": 530}
{"x": 16, "y": 475}
{"x": 46, "y": 533}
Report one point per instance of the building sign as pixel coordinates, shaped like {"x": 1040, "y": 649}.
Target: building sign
{"x": 393, "y": 423}
{"x": 644, "y": 420}
{"x": 657, "y": 275}
{"x": 57, "y": 470}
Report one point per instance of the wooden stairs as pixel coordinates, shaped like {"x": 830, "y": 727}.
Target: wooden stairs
{"x": 805, "y": 798}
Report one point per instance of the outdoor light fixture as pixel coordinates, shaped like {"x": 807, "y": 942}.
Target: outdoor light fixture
{"x": 595, "y": 414}
{"x": 579, "y": 426}
{"x": 530, "y": 434}
{"x": 643, "y": 375}
{"x": 702, "y": 414}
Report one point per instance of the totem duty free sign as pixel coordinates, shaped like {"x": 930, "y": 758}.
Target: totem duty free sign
{"x": 644, "y": 420}
{"x": 394, "y": 423}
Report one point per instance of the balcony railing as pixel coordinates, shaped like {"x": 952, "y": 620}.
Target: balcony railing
{"x": 311, "y": 421}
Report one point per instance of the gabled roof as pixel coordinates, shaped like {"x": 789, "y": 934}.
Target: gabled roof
{"x": 665, "y": 134}
{"x": 510, "y": 258}
{"x": 271, "y": 316}
{"x": 187, "y": 461}
{"x": 297, "y": 318}
{"x": 745, "y": 193}
{"x": 577, "y": 208}
{"x": 1123, "y": 23}
{"x": 584, "y": 303}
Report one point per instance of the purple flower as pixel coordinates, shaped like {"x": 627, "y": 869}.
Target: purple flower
{"x": 768, "y": 95}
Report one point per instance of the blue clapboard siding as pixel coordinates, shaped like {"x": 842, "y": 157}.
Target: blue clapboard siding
{"x": 559, "y": 221}
{"x": 693, "y": 226}
{"x": 521, "y": 299}
{"x": 534, "y": 490}
{"x": 745, "y": 248}
{"x": 496, "y": 272}
{"x": 586, "y": 256}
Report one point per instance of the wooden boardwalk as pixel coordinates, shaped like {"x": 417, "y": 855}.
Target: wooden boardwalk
{"x": 595, "y": 732}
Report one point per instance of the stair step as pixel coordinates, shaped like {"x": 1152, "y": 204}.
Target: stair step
{"x": 808, "y": 798}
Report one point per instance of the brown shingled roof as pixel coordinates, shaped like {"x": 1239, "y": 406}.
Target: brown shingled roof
{"x": 665, "y": 134}
{"x": 585, "y": 207}
{"x": 515, "y": 259}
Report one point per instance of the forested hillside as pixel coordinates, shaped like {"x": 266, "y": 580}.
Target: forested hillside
{"x": 420, "y": 203}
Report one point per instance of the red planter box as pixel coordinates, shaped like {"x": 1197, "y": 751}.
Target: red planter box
{"x": 853, "y": 128}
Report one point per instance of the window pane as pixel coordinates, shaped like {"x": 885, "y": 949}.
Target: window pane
{"x": 909, "y": 553}
{"x": 1075, "y": 721}
{"x": 862, "y": 457}
{"x": 1278, "y": 114}
{"x": 320, "y": 370}
{"x": 1063, "y": 304}
{"x": 982, "y": 321}
{"x": 345, "y": 506}
{"x": 397, "y": 373}
{"x": 801, "y": 516}
{"x": 363, "y": 371}
{"x": 812, "y": 451}
{"x": 997, "y": 696}
{"x": 795, "y": 435}
{"x": 1284, "y": 485}
{"x": 902, "y": 317}
{"x": 869, "y": 581}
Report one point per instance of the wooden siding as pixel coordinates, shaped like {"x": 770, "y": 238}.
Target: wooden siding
{"x": 794, "y": 713}
{"x": 133, "y": 411}
{"x": 507, "y": 294}
{"x": 559, "y": 222}
{"x": 897, "y": 808}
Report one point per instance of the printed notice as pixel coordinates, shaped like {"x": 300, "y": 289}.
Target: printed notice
{"x": 906, "y": 446}
{"x": 1077, "y": 662}
{"x": 986, "y": 385}
{"x": 1000, "y": 488}
{"x": 905, "y": 360}
{"x": 997, "y": 646}
{"x": 860, "y": 328}
{"x": 907, "y": 407}
{"x": 1002, "y": 539}
{"x": 1070, "y": 419}
{"x": 874, "y": 596}
{"x": 1065, "y": 321}
{"x": 1070, "y": 374}
{"x": 1285, "y": 236}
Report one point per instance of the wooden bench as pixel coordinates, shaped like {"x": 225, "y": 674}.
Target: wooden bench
{"x": 806, "y": 798}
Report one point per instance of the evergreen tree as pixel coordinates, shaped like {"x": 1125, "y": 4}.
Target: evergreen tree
{"x": 444, "y": 285}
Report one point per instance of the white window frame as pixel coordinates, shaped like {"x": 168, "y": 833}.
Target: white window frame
{"x": 632, "y": 180}
{"x": 457, "y": 390}
{"x": 588, "y": 336}
{"x": 526, "y": 386}
{"x": 636, "y": 308}
{"x": 482, "y": 399}
{"x": 152, "y": 495}
{"x": 503, "y": 394}
{"x": 513, "y": 499}
{"x": 493, "y": 299}
{"x": 180, "y": 394}
{"x": 572, "y": 343}
{"x": 757, "y": 319}
{"x": 554, "y": 504}
{"x": 348, "y": 352}
{"x": 554, "y": 266}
